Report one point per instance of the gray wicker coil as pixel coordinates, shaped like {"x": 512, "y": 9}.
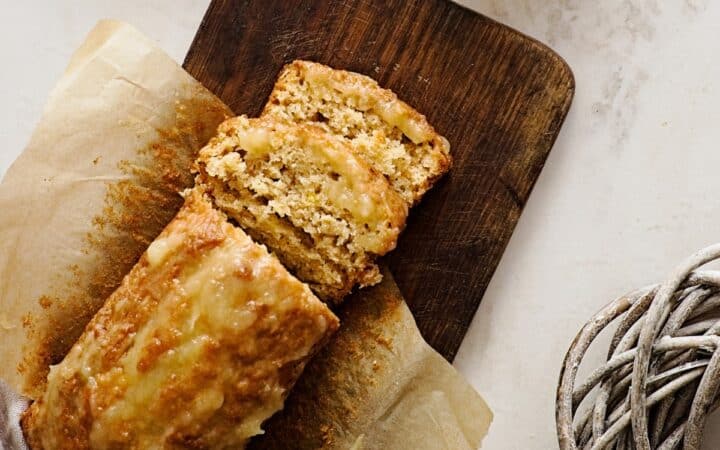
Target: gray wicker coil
{"x": 662, "y": 373}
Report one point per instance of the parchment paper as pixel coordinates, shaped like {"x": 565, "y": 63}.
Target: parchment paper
{"x": 97, "y": 182}
{"x": 378, "y": 385}
{"x": 100, "y": 179}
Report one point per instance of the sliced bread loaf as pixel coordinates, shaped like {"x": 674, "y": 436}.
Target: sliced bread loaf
{"x": 320, "y": 208}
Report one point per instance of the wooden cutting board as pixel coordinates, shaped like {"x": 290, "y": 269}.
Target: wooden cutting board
{"x": 498, "y": 96}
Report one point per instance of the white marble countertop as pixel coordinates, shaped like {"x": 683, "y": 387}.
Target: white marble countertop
{"x": 627, "y": 191}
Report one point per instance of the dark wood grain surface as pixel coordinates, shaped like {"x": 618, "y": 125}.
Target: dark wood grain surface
{"x": 498, "y": 96}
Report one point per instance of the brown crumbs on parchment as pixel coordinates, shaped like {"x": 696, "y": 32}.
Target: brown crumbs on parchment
{"x": 136, "y": 209}
{"x": 45, "y": 302}
{"x": 27, "y": 322}
{"x": 76, "y": 272}
{"x": 384, "y": 341}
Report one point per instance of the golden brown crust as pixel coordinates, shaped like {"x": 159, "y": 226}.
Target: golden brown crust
{"x": 199, "y": 345}
{"x": 392, "y": 136}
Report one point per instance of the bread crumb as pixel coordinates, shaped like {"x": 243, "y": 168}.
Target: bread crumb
{"x": 45, "y": 302}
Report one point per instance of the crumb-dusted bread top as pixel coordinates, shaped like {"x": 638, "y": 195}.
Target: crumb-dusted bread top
{"x": 390, "y": 135}
{"x": 197, "y": 347}
{"x": 307, "y": 196}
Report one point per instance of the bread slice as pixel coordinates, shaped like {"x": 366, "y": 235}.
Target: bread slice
{"x": 307, "y": 196}
{"x": 197, "y": 347}
{"x": 387, "y": 133}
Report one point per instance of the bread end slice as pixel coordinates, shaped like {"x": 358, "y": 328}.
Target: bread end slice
{"x": 387, "y": 133}
{"x": 197, "y": 347}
